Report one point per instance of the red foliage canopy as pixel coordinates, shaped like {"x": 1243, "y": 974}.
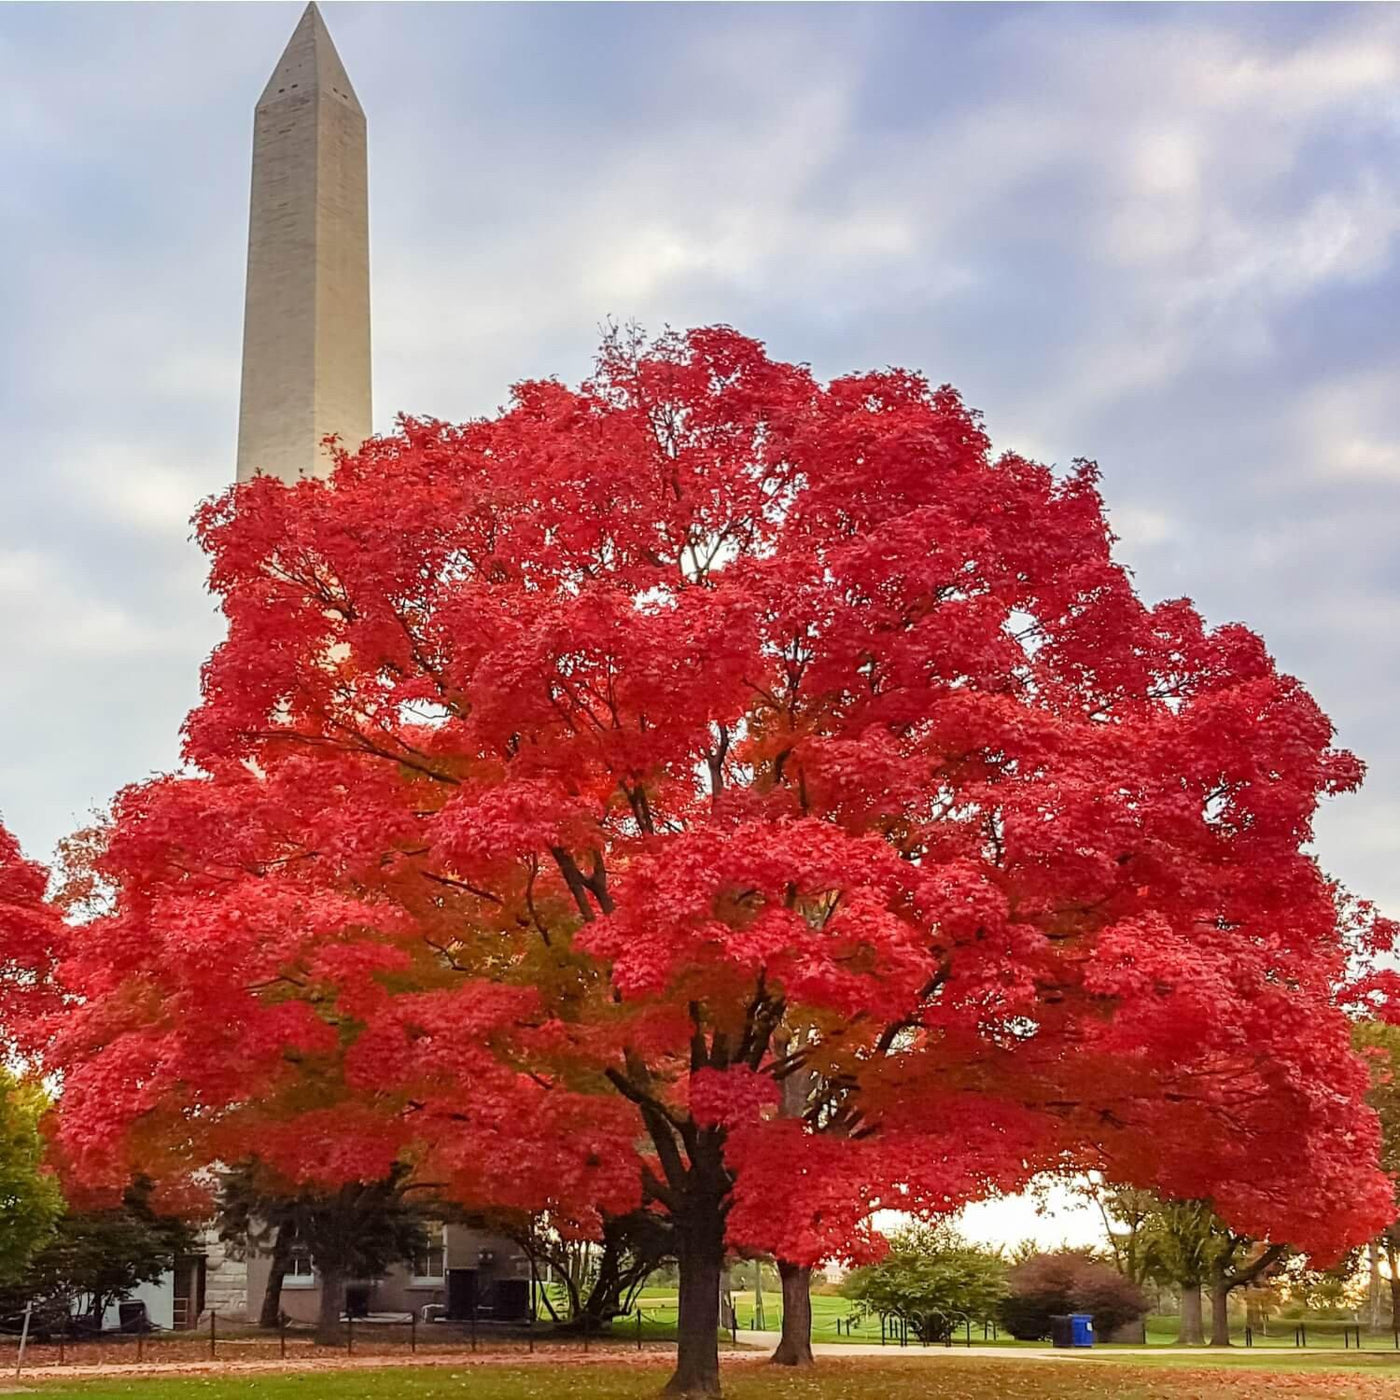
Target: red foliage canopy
{"x": 572, "y": 780}
{"x": 31, "y": 937}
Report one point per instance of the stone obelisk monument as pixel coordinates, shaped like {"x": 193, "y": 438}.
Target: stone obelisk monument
{"x": 306, "y": 364}
{"x": 306, "y": 367}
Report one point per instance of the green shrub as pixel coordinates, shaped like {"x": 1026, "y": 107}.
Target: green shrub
{"x": 931, "y": 1279}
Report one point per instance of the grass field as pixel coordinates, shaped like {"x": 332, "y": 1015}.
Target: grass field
{"x": 947, "y": 1378}
{"x": 659, "y": 1305}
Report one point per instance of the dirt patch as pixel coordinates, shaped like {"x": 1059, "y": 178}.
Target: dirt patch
{"x": 555, "y": 1355}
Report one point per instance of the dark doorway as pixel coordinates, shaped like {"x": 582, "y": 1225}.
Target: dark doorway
{"x": 189, "y": 1275}
{"x": 461, "y": 1294}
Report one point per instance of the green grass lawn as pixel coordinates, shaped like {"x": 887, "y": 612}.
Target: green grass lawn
{"x": 659, "y": 1307}
{"x": 659, "y": 1304}
{"x": 947, "y": 1378}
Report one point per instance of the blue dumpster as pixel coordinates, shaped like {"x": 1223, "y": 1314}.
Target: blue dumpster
{"x": 1081, "y": 1327}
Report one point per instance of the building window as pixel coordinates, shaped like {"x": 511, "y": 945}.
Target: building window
{"x": 300, "y": 1273}
{"x": 430, "y": 1263}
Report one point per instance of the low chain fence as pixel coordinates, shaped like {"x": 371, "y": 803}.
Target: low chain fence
{"x": 1321, "y": 1333}
{"x": 649, "y": 1326}
{"x": 219, "y": 1340}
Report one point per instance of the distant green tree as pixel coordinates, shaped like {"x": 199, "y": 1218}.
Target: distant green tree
{"x": 1379, "y": 1043}
{"x": 597, "y": 1281}
{"x": 1178, "y": 1242}
{"x": 1128, "y": 1214}
{"x": 1022, "y": 1250}
{"x": 1185, "y": 1244}
{"x": 356, "y": 1231}
{"x": 95, "y": 1258}
{"x": 1336, "y": 1291}
{"x": 1237, "y": 1262}
{"x": 30, "y": 1200}
{"x": 254, "y": 1215}
{"x": 933, "y": 1280}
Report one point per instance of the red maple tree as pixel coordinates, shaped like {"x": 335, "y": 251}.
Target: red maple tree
{"x": 32, "y": 938}
{"x": 576, "y": 784}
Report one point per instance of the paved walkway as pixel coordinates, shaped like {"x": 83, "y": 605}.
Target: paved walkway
{"x": 766, "y": 1341}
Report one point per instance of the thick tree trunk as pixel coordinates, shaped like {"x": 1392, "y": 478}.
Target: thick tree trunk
{"x": 329, "y": 1332}
{"x": 1219, "y": 1313}
{"x": 700, "y": 1247}
{"x": 1191, "y": 1332}
{"x": 795, "y": 1348}
{"x": 270, "y": 1314}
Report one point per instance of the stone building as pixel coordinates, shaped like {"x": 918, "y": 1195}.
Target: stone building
{"x": 462, "y": 1271}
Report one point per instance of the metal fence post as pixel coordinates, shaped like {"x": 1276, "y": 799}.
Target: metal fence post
{"x": 412, "y": 1331}
{"x": 24, "y": 1336}
{"x": 213, "y": 1333}
{"x": 349, "y": 1332}
{"x": 639, "y": 1329}
{"x": 473, "y": 1322}
{"x": 140, "y": 1345}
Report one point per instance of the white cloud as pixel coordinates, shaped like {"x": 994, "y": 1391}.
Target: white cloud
{"x": 1053, "y": 1217}
{"x": 1163, "y": 237}
{"x": 47, "y": 616}
{"x": 1352, "y": 427}
{"x": 122, "y": 483}
{"x": 1140, "y": 527}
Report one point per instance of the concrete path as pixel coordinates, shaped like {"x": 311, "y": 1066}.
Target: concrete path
{"x": 766, "y": 1341}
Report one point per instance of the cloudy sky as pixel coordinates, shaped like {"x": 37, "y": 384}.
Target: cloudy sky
{"x": 1163, "y": 238}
